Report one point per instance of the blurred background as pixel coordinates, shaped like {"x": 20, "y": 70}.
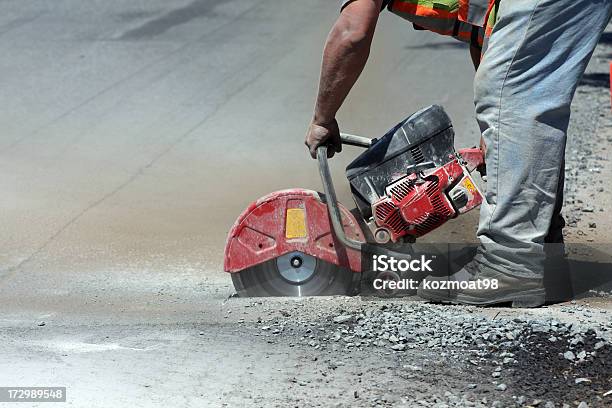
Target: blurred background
{"x": 134, "y": 133}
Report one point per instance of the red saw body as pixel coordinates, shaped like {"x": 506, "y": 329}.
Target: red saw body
{"x": 417, "y": 204}
{"x": 298, "y": 242}
{"x": 284, "y": 245}
{"x": 288, "y": 221}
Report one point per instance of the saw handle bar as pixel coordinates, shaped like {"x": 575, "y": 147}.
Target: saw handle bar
{"x": 354, "y": 140}
{"x": 330, "y": 192}
{"x": 332, "y": 201}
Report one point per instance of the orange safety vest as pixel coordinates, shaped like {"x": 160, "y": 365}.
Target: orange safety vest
{"x": 467, "y": 20}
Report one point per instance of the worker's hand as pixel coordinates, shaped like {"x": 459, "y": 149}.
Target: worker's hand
{"x": 324, "y": 134}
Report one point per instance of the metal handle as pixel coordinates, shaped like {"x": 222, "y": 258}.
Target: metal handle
{"x": 332, "y": 201}
{"x": 354, "y": 140}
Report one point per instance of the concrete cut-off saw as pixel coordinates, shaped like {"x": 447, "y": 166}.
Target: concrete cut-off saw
{"x": 405, "y": 184}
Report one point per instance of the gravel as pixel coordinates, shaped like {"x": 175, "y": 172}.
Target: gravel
{"x": 544, "y": 360}
{"x": 343, "y": 318}
{"x": 586, "y": 152}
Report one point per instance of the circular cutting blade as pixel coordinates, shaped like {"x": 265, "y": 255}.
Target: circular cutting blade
{"x": 296, "y": 267}
{"x": 294, "y": 274}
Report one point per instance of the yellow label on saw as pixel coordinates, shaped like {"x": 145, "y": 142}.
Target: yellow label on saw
{"x": 295, "y": 226}
{"x": 469, "y": 185}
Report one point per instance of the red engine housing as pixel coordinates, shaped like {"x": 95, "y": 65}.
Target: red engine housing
{"x": 417, "y": 204}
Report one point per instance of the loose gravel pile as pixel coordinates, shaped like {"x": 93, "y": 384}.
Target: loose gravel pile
{"x": 526, "y": 361}
{"x": 538, "y": 358}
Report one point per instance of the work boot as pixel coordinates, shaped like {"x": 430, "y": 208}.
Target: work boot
{"x": 476, "y": 284}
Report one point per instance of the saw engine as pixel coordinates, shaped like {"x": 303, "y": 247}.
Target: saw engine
{"x": 412, "y": 180}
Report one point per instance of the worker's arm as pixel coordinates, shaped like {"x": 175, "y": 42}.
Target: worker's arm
{"x": 344, "y": 57}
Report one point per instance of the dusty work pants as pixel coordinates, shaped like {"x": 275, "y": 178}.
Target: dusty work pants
{"x": 536, "y": 55}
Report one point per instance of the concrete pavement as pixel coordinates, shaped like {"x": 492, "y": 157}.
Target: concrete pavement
{"x": 133, "y": 134}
